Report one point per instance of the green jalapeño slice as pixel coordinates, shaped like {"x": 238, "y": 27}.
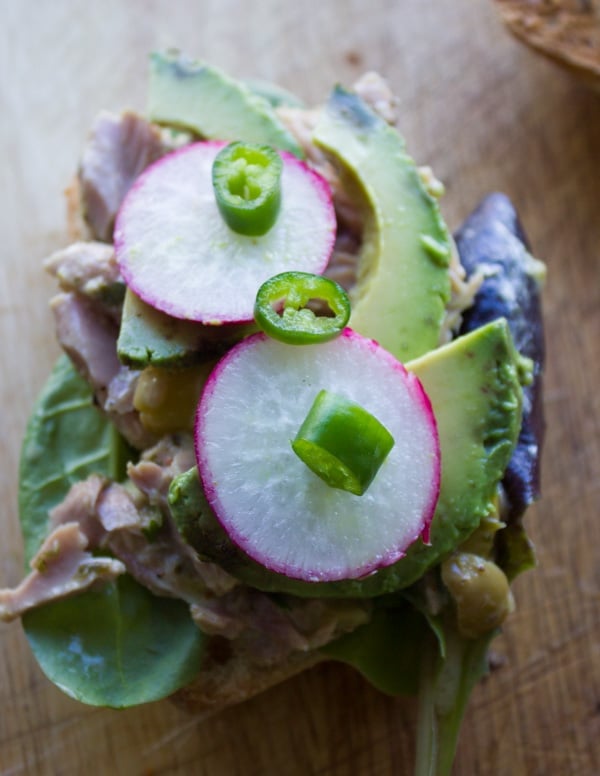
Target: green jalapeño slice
{"x": 247, "y": 184}
{"x": 281, "y": 308}
{"x": 342, "y": 443}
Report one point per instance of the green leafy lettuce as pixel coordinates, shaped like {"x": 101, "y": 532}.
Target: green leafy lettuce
{"x": 120, "y": 646}
{"x": 406, "y": 650}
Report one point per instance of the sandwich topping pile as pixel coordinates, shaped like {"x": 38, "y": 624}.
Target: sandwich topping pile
{"x": 295, "y": 420}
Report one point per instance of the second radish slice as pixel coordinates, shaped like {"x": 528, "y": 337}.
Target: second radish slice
{"x": 271, "y": 503}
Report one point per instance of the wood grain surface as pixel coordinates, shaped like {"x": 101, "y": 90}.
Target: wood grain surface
{"x": 487, "y": 115}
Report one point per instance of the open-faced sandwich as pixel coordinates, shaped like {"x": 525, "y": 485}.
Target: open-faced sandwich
{"x": 295, "y": 420}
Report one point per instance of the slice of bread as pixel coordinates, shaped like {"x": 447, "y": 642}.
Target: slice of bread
{"x": 567, "y": 31}
{"x": 227, "y": 678}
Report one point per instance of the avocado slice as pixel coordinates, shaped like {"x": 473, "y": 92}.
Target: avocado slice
{"x": 403, "y": 282}
{"x": 149, "y": 337}
{"x": 474, "y": 388}
{"x": 274, "y": 94}
{"x": 190, "y": 94}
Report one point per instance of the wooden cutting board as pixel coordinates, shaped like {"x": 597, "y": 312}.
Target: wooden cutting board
{"x": 486, "y": 114}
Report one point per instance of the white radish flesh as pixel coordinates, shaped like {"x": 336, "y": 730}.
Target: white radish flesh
{"x": 269, "y": 502}
{"x": 176, "y": 252}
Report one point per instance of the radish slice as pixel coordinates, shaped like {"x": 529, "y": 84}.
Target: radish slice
{"x": 176, "y": 252}
{"x": 270, "y": 503}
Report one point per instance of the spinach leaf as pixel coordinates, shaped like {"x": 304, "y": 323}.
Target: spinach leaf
{"x": 121, "y": 646}
{"x": 407, "y": 650}
{"x": 445, "y": 685}
{"x": 118, "y": 647}
{"x": 66, "y": 440}
{"x": 386, "y": 650}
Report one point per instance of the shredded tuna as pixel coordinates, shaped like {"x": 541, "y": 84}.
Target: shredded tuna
{"x": 88, "y": 336}
{"x": 343, "y": 264}
{"x": 349, "y": 212}
{"x": 104, "y": 515}
{"x": 118, "y": 405}
{"x": 88, "y": 267}
{"x": 128, "y": 424}
{"x": 151, "y": 479}
{"x": 61, "y": 568}
{"x": 301, "y": 122}
{"x": 116, "y": 510}
{"x": 323, "y": 620}
{"x": 268, "y": 632}
{"x": 179, "y": 568}
{"x": 157, "y": 565}
{"x": 137, "y": 527}
{"x": 121, "y": 391}
{"x": 107, "y": 516}
{"x": 165, "y": 565}
{"x": 171, "y": 456}
{"x": 462, "y": 296}
{"x": 141, "y": 535}
{"x": 79, "y": 506}
{"x": 217, "y": 581}
{"x": 433, "y": 186}
{"x": 375, "y": 91}
{"x": 119, "y": 148}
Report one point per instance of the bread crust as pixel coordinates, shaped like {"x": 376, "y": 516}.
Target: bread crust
{"x": 77, "y": 228}
{"x": 226, "y": 678}
{"x": 566, "y": 31}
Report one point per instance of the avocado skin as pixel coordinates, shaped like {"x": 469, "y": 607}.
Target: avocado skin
{"x": 190, "y": 94}
{"x": 492, "y": 241}
{"x": 149, "y": 337}
{"x": 403, "y": 281}
{"x": 353, "y": 111}
{"x": 473, "y": 385}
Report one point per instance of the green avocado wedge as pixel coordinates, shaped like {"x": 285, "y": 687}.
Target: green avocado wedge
{"x": 149, "y": 337}
{"x": 121, "y": 645}
{"x": 403, "y": 282}
{"x": 474, "y": 387}
{"x": 276, "y": 95}
{"x": 191, "y": 95}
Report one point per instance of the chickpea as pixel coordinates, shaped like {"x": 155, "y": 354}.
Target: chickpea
{"x": 480, "y": 590}
{"x": 481, "y": 541}
{"x": 167, "y": 399}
